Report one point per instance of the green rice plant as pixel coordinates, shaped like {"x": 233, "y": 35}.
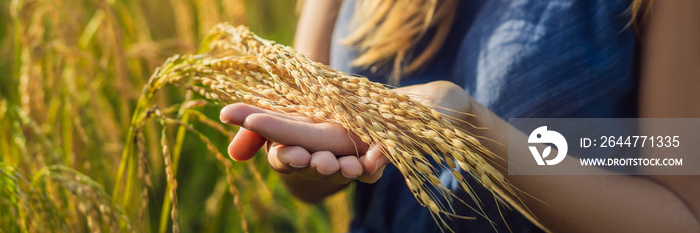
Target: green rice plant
{"x": 54, "y": 199}
{"x": 73, "y": 71}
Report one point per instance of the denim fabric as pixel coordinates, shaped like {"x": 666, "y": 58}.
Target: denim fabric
{"x": 519, "y": 58}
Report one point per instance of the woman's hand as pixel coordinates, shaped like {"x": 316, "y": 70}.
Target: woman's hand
{"x": 323, "y": 151}
{"x": 316, "y": 150}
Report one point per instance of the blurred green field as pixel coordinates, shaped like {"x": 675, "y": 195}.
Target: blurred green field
{"x": 70, "y": 76}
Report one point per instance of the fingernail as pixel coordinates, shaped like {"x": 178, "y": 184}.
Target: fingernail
{"x": 376, "y": 166}
{"x": 297, "y": 166}
{"x": 346, "y": 176}
{"x": 324, "y": 173}
{"x": 245, "y": 122}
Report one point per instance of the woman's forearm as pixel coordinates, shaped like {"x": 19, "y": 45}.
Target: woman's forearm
{"x": 315, "y": 29}
{"x": 670, "y": 60}
{"x": 597, "y": 203}
{"x": 670, "y": 78}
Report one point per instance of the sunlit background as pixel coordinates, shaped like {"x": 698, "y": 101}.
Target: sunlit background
{"x": 71, "y": 72}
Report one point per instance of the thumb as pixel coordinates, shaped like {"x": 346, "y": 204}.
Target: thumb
{"x": 374, "y": 163}
{"x": 245, "y": 145}
{"x": 374, "y": 160}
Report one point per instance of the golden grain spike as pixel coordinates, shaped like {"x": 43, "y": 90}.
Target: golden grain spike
{"x": 278, "y": 78}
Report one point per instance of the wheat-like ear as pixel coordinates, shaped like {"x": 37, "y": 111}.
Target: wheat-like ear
{"x": 238, "y": 66}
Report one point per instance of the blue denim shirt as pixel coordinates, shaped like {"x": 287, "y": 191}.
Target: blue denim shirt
{"x": 519, "y": 58}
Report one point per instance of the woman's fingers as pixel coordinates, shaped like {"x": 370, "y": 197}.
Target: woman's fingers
{"x": 296, "y": 131}
{"x": 374, "y": 159}
{"x": 245, "y": 144}
{"x": 302, "y": 145}
{"x": 350, "y": 167}
{"x": 373, "y": 163}
{"x": 235, "y": 114}
{"x": 286, "y": 159}
{"x": 312, "y": 136}
{"x": 316, "y": 166}
{"x": 323, "y": 164}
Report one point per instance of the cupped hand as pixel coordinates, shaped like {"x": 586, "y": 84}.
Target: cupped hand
{"x": 297, "y": 144}
{"x": 324, "y": 150}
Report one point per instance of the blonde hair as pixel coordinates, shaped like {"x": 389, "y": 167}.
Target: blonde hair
{"x": 640, "y": 10}
{"x": 386, "y": 31}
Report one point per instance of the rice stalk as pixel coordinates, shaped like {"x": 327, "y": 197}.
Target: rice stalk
{"x": 170, "y": 200}
{"x": 238, "y": 66}
{"x": 172, "y": 182}
{"x": 143, "y": 174}
{"x": 228, "y": 166}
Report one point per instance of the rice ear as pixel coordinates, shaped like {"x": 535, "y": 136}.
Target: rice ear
{"x": 238, "y": 66}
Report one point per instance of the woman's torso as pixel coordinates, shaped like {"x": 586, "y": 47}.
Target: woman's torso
{"x": 519, "y": 58}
